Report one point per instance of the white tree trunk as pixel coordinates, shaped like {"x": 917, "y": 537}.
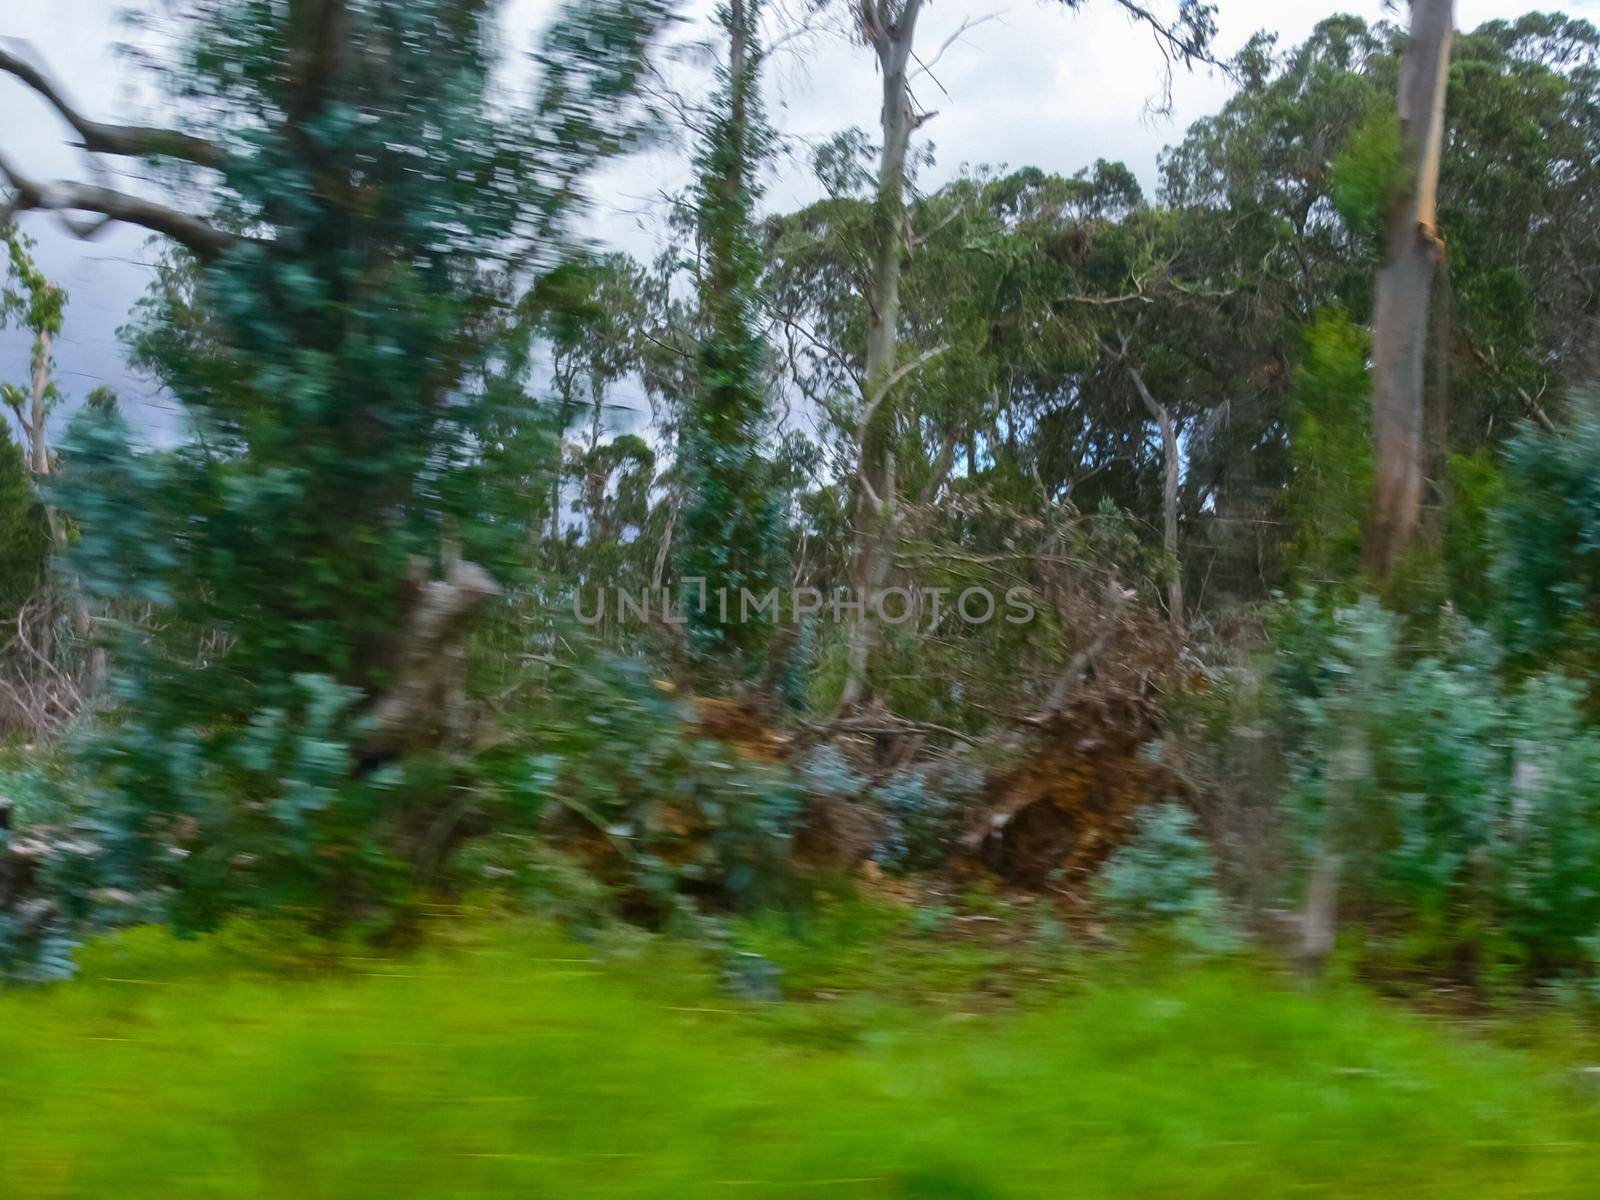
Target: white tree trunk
{"x": 38, "y": 445}
{"x": 1170, "y": 478}
{"x": 891, "y": 37}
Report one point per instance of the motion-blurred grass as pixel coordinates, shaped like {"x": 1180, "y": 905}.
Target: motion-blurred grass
{"x": 514, "y": 1062}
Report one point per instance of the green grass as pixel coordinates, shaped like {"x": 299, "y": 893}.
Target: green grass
{"x": 515, "y": 1063}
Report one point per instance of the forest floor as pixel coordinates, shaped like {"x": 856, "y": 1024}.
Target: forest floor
{"x": 911, "y": 1056}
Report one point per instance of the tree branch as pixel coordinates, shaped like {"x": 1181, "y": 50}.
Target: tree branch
{"x": 13, "y": 399}
{"x": 926, "y": 68}
{"x": 64, "y": 197}
{"x": 101, "y": 138}
{"x": 1156, "y": 410}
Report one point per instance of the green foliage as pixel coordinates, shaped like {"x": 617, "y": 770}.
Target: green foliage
{"x": 526, "y": 872}
{"x": 1476, "y": 489}
{"x": 1368, "y": 175}
{"x": 926, "y": 810}
{"x": 731, "y": 532}
{"x": 35, "y": 948}
{"x": 48, "y": 871}
{"x": 33, "y": 779}
{"x": 1466, "y": 812}
{"x": 24, "y": 531}
{"x": 1164, "y": 878}
{"x": 1547, "y": 533}
{"x": 28, "y": 300}
{"x": 353, "y": 380}
{"x": 273, "y": 814}
{"x": 1330, "y": 495}
{"x": 679, "y": 814}
{"x": 922, "y": 809}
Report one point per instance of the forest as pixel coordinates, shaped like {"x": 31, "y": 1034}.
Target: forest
{"x": 1062, "y": 687}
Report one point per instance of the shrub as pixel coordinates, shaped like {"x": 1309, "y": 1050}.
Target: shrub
{"x": 1465, "y": 812}
{"x": 681, "y": 813}
{"x": 271, "y": 814}
{"x": 1164, "y": 879}
{"x": 1546, "y": 532}
{"x": 923, "y": 809}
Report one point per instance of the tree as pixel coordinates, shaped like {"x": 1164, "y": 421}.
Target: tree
{"x": 35, "y": 304}
{"x": 1404, "y": 289}
{"x": 1289, "y": 188}
{"x": 889, "y": 29}
{"x": 729, "y": 527}
{"x": 345, "y": 349}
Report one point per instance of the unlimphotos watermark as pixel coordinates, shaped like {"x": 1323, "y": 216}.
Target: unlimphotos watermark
{"x": 892, "y": 606}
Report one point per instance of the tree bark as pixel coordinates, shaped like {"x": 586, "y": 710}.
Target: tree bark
{"x": 891, "y": 38}
{"x": 38, "y": 445}
{"x": 1404, "y": 292}
{"x": 1169, "y": 515}
{"x": 423, "y": 698}
{"x": 65, "y": 197}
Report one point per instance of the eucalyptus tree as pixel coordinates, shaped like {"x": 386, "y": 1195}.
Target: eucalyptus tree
{"x": 1182, "y": 34}
{"x": 1295, "y": 177}
{"x": 32, "y": 302}
{"x": 589, "y": 318}
{"x": 889, "y": 28}
{"x": 360, "y": 208}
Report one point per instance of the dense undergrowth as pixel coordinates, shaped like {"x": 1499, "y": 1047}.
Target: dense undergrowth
{"x": 974, "y": 1059}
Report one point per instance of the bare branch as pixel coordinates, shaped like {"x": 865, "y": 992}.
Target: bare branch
{"x": 1107, "y": 301}
{"x": 1156, "y": 410}
{"x": 926, "y": 68}
{"x": 64, "y": 197}
{"x": 101, "y": 138}
{"x": 899, "y": 373}
{"x": 917, "y": 240}
{"x": 13, "y": 399}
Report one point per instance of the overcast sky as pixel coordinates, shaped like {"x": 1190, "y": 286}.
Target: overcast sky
{"x": 1033, "y": 86}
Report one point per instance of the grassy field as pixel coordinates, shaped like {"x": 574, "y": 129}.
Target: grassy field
{"x": 515, "y": 1063}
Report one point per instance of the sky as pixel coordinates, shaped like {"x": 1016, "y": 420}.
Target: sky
{"x": 1027, "y": 84}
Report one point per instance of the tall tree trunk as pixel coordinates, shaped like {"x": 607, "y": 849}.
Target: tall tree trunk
{"x": 1404, "y": 291}
{"x": 891, "y": 36}
{"x": 1169, "y": 515}
{"x": 39, "y": 465}
{"x": 1172, "y": 467}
